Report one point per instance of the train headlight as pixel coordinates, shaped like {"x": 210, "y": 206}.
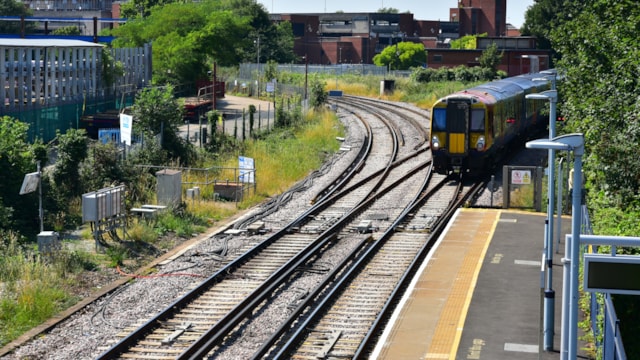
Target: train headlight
{"x": 480, "y": 143}
{"x": 435, "y": 143}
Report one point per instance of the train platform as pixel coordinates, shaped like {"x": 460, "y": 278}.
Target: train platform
{"x": 478, "y": 294}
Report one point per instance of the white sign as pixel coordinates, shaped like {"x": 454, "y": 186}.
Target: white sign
{"x": 247, "y": 170}
{"x": 271, "y": 86}
{"x": 521, "y": 177}
{"x": 30, "y": 183}
{"x": 126, "y": 123}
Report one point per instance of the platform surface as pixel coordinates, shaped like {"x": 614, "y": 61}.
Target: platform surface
{"x": 478, "y": 295}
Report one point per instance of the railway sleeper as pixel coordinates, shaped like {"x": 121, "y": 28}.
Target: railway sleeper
{"x": 176, "y": 334}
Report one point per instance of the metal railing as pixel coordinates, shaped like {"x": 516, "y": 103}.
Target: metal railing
{"x": 604, "y": 321}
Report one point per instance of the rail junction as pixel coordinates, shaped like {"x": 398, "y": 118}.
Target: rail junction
{"x": 322, "y": 283}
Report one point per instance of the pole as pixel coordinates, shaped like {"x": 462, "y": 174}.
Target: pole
{"x": 258, "y": 65}
{"x": 306, "y": 74}
{"x": 550, "y": 293}
{"x": 215, "y": 76}
{"x": 559, "y": 205}
{"x": 566, "y": 281}
{"x": 575, "y": 252}
{"x": 40, "y": 211}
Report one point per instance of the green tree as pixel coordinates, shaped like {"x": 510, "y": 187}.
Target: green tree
{"x": 600, "y": 57}
{"x": 157, "y": 112}
{"x": 491, "y": 59}
{"x": 188, "y": 37}
{"x": 140, "y": 8}
{"x": 271, "y": 71}
{"x": 14, "y": 8}
{"x": 17, "y": 158}
{"x": 102, "y": 167}
{"x": 72, "y": 150}
{"x": 545, "y": 15}
{"x": 318, "y": 96}
{"x": 67, "y": 30}
{"x": 389, "y": 10}
{"x": 467, "y": 42}
{"x": 402, "y": 56}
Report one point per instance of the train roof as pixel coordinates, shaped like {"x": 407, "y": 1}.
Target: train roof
{"x": 504, "y": 88}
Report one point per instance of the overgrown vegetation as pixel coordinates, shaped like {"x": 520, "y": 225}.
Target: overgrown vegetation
{"x": 34, "y": 287}
{"x": 597, "y": 54}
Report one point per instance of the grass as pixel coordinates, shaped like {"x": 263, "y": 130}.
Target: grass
{"x": 33, "y": 287}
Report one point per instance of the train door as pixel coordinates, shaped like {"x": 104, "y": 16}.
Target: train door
{"x": 458, "y": 129}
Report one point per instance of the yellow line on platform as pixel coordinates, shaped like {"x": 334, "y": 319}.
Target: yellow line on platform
{"x": 477, "y": 236}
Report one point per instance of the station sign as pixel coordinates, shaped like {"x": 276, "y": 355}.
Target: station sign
{"x": 618, "y": 274}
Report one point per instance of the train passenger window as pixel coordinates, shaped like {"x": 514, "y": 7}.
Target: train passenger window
{"x": 477, "y": 120}
{"x": 439, "y": 122}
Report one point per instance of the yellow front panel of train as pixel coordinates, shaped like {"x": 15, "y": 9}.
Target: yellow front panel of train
{"x": 456, "y": 143}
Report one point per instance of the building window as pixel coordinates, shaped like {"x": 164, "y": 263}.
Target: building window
{"x": 437, "y": 58}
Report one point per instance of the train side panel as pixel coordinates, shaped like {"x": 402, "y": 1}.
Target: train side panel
{"x": 473, "y": 129}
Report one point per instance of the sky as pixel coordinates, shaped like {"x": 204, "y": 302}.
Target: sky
{"x": 421, "y": 9}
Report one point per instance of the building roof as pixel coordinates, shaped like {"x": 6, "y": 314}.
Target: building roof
{"x": 36, "y": 43}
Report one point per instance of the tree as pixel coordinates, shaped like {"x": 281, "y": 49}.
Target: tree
{"x": 402, "y": 56}
{"x": 188, "y": 37}
{"x": 545, "y": 15}
{"x": 600, "y": 57}
{"x": 318, "y": 96}
{"x": 491, "y": 59}
{"x": 72, "y": 150}
{"x": 17, "y": 158}
{"x": 389, "y": 10}
{"x": 67, "y": 30}
{"x": 140, "y": 8}
{"x": 156, "y": 112}
{"x": 14, "y": 8}
{"x": 468, "y": 42}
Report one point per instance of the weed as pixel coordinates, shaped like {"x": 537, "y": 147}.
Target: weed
{"x": 116, "y": 254}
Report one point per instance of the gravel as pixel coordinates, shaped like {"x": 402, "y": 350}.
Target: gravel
{"x": 92, "y": 330}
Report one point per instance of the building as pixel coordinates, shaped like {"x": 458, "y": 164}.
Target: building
{"x": 481, "y": 16}
{"x": 355, "y": 38}
{"x": 80, "y": 13}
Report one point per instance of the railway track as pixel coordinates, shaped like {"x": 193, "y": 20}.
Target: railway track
{"x": 221, "y": 301}
{"x": 382, "y": 204}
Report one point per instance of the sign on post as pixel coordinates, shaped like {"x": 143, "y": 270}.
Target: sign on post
{"x": 30, "y": 183}
{"x": 247, "y": 170}
{"x": 126, "y": 123}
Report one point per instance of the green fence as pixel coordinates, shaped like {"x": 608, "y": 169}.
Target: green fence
{"x": 45, "y": 122}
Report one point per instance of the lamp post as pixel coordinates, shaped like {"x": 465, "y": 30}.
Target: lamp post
{"x": 575, "y": 143}
{"x": 549, "y": 294}
{"x": 257, "y": 42}
{"x": 306, "y": 76}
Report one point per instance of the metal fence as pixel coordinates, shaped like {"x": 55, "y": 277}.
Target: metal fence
{"x": 249, "y": 71}
{"x": 604, "y": 321}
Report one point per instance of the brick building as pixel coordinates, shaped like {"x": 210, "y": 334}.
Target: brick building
{"x": 356, "y": 38}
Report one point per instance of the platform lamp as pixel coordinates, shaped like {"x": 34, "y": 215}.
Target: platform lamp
{"x": 569, "y": 334}
{"x": 549, "y": 294}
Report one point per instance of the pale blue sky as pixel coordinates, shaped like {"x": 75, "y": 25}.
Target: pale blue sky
{"x": 421, "y": 9}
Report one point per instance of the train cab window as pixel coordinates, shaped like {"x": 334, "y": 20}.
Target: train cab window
{"x": 477, "y": 120}
{"x": 439, "y": 122}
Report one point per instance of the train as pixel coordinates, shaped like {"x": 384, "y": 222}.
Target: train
{"x": 472, "y": 129}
